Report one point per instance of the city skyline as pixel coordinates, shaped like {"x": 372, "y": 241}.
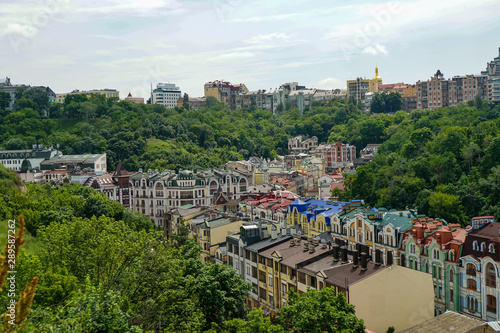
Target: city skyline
{"x": 127, "y": 45}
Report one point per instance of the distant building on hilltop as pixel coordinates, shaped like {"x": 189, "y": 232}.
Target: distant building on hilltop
{"x": 493, "y": 73}
{"x": 108, "y": 93}
{"x": 166, "y": 94}
{"x": 11, "y": 89}
{"x": 137, "y": 100}
{"x": 358, "y": 89}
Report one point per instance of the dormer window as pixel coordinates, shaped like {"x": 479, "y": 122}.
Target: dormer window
{"x": 492, "y": 248}
{"x": 475, "y": 246}
{"x": 451, "y": 255}
{"x": 483, "y": 247}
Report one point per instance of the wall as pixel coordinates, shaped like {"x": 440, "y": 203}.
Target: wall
{"x": 398, "y": 297}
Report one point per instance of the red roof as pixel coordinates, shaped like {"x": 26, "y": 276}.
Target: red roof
{"x": 483, "y": 217}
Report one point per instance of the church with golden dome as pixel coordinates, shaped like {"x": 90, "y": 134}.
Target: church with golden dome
{"x": 360, "y": 88}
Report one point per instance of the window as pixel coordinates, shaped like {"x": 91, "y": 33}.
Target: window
{"x": 492, "y": 248}
{"x": 471, "y": 270}
{"x": 491, "y": 280}
{"x": 471, "y": 303}
{"x": 491, "y": 304}
{"x": 451, "y": 296}
{"x": 451, "y": 275}
{"x": 435, "y": 254}
{"x": 483, "y": 247}
{"x": 471, "y": 284}
{"x": 475, "y": 246}
{"x": 451, "y": 255}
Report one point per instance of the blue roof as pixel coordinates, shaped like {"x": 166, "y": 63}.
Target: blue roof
{"x": 313, "y": 207}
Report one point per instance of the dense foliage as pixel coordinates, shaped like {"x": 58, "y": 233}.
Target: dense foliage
{"x": 445, "y": 163}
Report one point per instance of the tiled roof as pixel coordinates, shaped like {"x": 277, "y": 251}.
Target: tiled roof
{"x": 447, "y": 322}
{"x": 346, "y": 275}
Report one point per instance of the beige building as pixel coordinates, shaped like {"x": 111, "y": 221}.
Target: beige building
{"x": 136, "y": 100}
{"x": 211, "y": 234}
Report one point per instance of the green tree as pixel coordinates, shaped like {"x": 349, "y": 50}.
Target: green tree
{"x": 446, "y": 206}
{"x": 5, "y": 100}
{"x": 211, "y": 101}
{"x": 185, "y": 101}
{"x": 377, "y": 104}
{"x": 319, "y": 311}
{"x": 254, "y": 323}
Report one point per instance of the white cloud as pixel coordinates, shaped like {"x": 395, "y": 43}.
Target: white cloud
{"x": 275, "y": 36}
{"x": 330, "y": 83}
{"x": 375, "y": 50}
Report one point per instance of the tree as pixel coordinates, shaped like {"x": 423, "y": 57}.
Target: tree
{"x": 211, "y": 101}
{"x": 5, "y": 100}
{"x": 15, "y": 144}
{"x": 393, "y": 101}
{"x": 446, "y": 206}
{"x": 377, "y": 104}
{"x": 254, "y": 323}
{"x": 319, "y": 311}
{"x": 185, "y": 101}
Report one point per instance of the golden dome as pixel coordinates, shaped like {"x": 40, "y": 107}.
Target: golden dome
{"x": 379, "y": 79}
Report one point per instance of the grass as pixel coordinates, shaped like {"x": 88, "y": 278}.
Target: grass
{"x": 32, "y": 245}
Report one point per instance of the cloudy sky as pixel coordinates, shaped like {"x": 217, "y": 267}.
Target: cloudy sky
{"x": 129, "y": 44}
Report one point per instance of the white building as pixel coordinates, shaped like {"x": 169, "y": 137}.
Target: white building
{"x": 166, "y": 94}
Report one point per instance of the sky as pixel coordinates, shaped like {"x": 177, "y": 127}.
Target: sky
{"x": 130, "y": 45}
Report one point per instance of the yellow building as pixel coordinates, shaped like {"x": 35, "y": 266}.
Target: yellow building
{"x": 359, "y": 87}
{"x": 211, "y": 234}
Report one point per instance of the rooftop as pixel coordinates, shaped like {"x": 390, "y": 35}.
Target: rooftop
{"x": 447, "y": 322}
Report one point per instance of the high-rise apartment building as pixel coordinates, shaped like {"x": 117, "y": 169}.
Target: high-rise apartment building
{"x": 493, "y": 73}
{"x": 166, "y": 94}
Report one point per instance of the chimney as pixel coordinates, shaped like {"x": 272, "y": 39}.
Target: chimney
{"x": 306, "y": 247}
{"x": 355, "y": 258}
{"x": 283, "y": 232}
{"x": 312, "y": 248}
{"x": 336, "y": 252}
{"x": 292, "y": 242}
{"x": 378, "y": 257}
{"x": 364, "y": 261}
{"x": 274, "y": 233}
{"x": 343, "y": 254}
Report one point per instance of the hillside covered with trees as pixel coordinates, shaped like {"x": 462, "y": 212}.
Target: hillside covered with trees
{"x": 444, "y": 163}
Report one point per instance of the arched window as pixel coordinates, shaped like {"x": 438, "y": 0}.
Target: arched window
{"x": 475, "y": 246}
{"x": 491, "y": 304}
{"x": 491, "y": 278}
{"x": 492, "y": 248}
{"x": 380, "y": 238}
{"x": 471, "y": 284}
{"x": 451, "y": 275}
{"x": 483, "y": 247}
{"x": 435, "y": 254}
{"x": 471, "y": 269}
{"x": 451, "y": 255}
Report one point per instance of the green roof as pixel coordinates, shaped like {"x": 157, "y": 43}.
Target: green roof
{"x": 187, "y": 206}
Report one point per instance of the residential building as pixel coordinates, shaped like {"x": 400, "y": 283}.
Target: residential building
{"x": 439, "y": 92}
{"x": 434, "y": 248}
{"x": 224, "y": 91}
{"x": 108, "y": 93}
{"x": 301, "y": 99}
{"x": 270, "y": 207}
{"x": 493, "y": 73}
{"x": 480, "y": 264}
{"x": 243, "y": 251}
{"x": 11, "y": 89}
{"x": 176, "y": 217}
{"x": 91, "y": 162}
{"x": 302, "y": 144}
{"x": 211, "y": 234}
{"x": 337, "y": 155}
{"x": 328, "y": 95}
{"x": 408, "y": 93}
{"x": 358, "y": 88}
{"x": 196, "y": 103}
{"x": 26, "y": 159}
{"x": 154, "y": 193}
{"x": 136, "y": 100}
{"x": 166, "y": 94}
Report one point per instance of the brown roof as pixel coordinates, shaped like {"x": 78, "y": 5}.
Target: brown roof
{"x": 446, "y": 322}
{"x": 346, "y": 275}
{"x": 294, "y": 255}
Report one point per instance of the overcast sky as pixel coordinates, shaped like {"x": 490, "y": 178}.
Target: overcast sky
{"x": 127, "y": 44}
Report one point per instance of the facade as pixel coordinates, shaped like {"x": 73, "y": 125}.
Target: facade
{"x": 137, "y": 100}
{"x": 108, "y": 93}
{"x": 439, "y": 92}
{"x": 302, "y": 144}
{"x": 479, "y": 273}
{"x": 166, "y": 94}
{"x": 434, "y": 248}
{"x": 301, "y": 99}
{"x": 493, "y": 73}
{"x": 271, "y": 207}
{"x": 10, "y": 88}
{"x": 26, "y": 159}
{"x": 93, "y": 162}
{"x": 196, "y": 103}
{"x": 358, "y": 88}
{"x": 224, "y": 91}
{"x": 155, "y": 193}
{"x": 408, "y": 93}
{"x": 337, "y": 155}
